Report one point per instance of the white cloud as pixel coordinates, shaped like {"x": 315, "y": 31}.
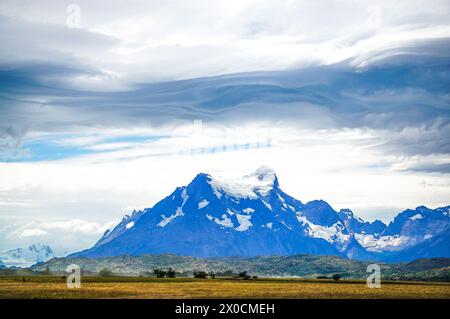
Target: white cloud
{"x": 33, "y": 232}
{"x": 145, "y": 40}
{"x": 78, "y": 226}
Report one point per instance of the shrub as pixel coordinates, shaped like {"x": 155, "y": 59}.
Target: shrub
{"x": 200, "y": 274}
{"x": 171, "y": 273}
{"x": 244, "y": 275}
{"x": 336, "y": 277}
{"x": 159, "y": 273}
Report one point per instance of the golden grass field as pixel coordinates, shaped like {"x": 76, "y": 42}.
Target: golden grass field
{"x": 134, "y": 287}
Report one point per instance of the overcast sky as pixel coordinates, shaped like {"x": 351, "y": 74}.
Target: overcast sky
{"x": 107, "y": 106}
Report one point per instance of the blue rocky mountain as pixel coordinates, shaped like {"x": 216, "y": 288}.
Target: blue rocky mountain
{"x": 253, "y": 216}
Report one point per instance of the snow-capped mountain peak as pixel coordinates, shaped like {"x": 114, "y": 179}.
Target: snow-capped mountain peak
{"x": 251, "y": 215}
{"x": 27, "y": 256}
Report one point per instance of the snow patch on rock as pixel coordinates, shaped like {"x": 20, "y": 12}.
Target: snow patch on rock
{"x": 203, "y": 204}
{"x": 166, "y": 220}
{"x": 244, "y": 222}
{"x": 416, "y": 217}
{"x": 383, "y": 243}
{"x": 184, "y": 196}
{"x": 331, "y": 234}
{"x": 224, "y": 222}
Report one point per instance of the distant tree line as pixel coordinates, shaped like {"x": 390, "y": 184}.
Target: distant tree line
{"x": 203, "y": 274}
{"x": 170, "y": 273}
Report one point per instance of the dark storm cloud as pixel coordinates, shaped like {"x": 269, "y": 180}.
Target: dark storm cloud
{"x": 404, "y": 94}
{"x": 442, "y": 168}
